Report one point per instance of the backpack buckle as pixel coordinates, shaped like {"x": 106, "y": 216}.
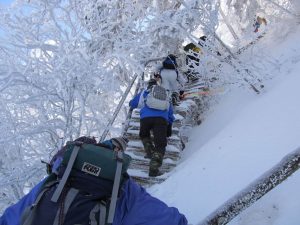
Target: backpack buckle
{"x": 118, "y": 156}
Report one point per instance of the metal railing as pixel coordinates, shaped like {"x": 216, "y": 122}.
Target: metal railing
{"x": 112, "y": 120}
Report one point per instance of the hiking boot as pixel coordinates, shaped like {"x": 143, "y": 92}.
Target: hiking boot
{"x": 155, "y": 173}
{"x": 155, "y": 162}
{"x": 175, "y": 99}
{"x": 148, "y": 146}
{"x": 147, "y": 156}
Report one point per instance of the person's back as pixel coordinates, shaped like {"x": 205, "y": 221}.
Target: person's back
{"x": 157, "y": 121}
{"x": 78, "y": 205}
{"x": 171, "y": 79}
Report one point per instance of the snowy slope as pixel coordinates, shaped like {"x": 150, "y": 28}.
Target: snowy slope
{"x": 244, "y": 136}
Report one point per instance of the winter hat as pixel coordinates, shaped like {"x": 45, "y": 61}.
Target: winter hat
{"x": 203, "y": 39}
{"x": 120, "y": 142}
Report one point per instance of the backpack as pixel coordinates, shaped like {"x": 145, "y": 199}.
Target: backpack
{"x": 84, "y": 189}
{"x": 170, "y": 63}
{"x": 158, "y": 98}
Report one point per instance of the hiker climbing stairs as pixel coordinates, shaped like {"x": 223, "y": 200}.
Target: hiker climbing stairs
{"x": 186, "y": 116}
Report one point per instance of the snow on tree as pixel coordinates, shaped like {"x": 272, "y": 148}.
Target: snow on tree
{"x": 65, "y": 64}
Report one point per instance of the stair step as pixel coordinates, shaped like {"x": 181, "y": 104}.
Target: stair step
{"x": 143, "y": 165}
{"x": 143, "y": 179}
{"x": 134, "y": 136}
{"x": 139, "y": 153}
{"x": 137, "y": 144}
{"x": 135, "y": 125}
{"x": 197, "y": 84}
{"x": 131, "y": 130}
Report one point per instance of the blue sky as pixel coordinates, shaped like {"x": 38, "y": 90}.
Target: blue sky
{"x": 5, "y": 2}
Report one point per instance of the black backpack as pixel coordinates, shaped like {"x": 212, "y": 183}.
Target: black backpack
{"x": 170, "y": 62}
{"x": 85, "y": 188}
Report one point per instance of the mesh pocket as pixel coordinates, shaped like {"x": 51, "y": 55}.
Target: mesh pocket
{"x": 160, "y": 93}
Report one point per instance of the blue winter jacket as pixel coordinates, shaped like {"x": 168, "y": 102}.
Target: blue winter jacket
{"x": 12, "y": 215}
{"x": 134, "y": 207}
{"x": 149, "y": 112}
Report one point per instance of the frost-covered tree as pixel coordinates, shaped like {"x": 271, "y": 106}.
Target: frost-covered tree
{"x": 53, "y": 88}
{"x": 243, "y": 13}
{"x": 65, "y": 64}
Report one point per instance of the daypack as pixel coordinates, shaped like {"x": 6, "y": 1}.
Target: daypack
{"x": 84, "y": 189}
{"x": 170, "y": 63}
{"x": 158, "y": 98}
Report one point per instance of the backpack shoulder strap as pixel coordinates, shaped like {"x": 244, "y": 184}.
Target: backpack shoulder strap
{"x": 176, "y": 70}
{"x": 67, "y": 172}
{"x": 141, "y": 102}
{"x": 29, "y": 213}
{"x": 101, "y": 208}
{"x": 60, "y": 216}
{"x": 114, "y": 196}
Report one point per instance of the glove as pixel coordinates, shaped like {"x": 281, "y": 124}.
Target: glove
{"x": 169, "y": 130}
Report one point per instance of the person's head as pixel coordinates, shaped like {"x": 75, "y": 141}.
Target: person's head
{"x": 151, "y": 82}
{"x": 202, "y": 39}
{"x": 119, "y": 143}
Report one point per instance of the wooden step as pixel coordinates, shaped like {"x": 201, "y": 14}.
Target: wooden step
{"x": 134, "y": 135}
{"x": 139, "y": 153}
{"x": 137, "y": 144}
{"x": 143, "y": 165}
{"x": 143, "y": 179}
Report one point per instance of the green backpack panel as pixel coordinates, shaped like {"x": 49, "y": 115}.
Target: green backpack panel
{"x": 96, "y": 160}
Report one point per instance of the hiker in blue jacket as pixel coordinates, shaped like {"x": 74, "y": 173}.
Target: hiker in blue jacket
{"x": 157, "y": 121}
{"x": 134, "y": 205}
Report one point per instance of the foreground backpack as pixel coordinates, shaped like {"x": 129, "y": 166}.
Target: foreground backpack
{"x": 85, "y": 188}
{"x": 158, "y": 98}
